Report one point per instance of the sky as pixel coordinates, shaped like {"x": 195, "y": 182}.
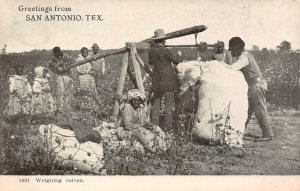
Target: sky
{"x": 264, "y": 23}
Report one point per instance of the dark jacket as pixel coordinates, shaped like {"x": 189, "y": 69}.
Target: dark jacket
{"x": 62, "y": 63}
{"x": 164, "y": 76}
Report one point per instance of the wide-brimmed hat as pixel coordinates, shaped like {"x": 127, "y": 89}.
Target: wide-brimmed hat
{"x": 135, "y": 93}
{"x": 95, "y": 46}
{"x": 158, "y": 34}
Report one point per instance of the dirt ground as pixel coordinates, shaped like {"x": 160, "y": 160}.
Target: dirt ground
{"x": 280, "y": 156}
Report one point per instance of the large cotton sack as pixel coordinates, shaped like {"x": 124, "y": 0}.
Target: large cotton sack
{"x": 68, "y": 152}
{"x": 223, "y": 92}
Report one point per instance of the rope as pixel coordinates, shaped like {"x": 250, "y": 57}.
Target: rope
{"x": 196, "y": 43}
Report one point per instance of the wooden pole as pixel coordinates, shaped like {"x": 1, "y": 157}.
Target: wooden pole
{"x": 121, "y": 85}
{"x": 145, "y": 66}
{"x": 98, "y": 56}
{"x": 299, "y": 90}
{"x": 201, "y": 45}
{"x": 132, "y": 78}
{"x": 180, "y": 33}
{"x": 176, "y": 34}
{"x": 2, "y": 77}
{"x": 137, "y": 70}
{"x": 149, "y": 71}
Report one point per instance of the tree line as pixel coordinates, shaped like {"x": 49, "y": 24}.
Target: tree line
{"x": 284, "y": 46}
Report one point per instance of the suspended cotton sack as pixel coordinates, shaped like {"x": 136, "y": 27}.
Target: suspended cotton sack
{"x": 188, "y": 75}
{"x": 69, "y": 153}
{"x": 223, "y": 104}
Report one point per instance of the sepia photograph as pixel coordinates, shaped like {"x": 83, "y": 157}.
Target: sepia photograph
{"x": 141, "y": 92}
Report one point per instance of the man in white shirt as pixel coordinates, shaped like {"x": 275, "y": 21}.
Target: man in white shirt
{"x": 86, "y": 74}
{"x": 87, "y": 87}
{"x": 257, "y": 86}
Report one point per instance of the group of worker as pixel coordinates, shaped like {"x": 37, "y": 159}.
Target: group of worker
{"x": 164, "y": 84}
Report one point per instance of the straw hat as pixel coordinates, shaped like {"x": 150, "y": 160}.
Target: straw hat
{"x": 159, "y": 34}
{"x": 95, "y": 46}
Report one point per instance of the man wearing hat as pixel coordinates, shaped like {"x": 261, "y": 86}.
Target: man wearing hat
{"x": 164, "y": 81}
{"x": 219, "y": 50}
{"x": 97, "y": 65}
{"x": 64, "y": 82}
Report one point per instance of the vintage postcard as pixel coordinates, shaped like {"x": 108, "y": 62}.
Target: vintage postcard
{"x": 144, "y": 95}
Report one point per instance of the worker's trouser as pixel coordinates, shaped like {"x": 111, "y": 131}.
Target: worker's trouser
{"x": 87, "y": 83}
{"x": 169, "y": 109}
{"x": 258, "y": 105}
{"x": 64, "y": 93}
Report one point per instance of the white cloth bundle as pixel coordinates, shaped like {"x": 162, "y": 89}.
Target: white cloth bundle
{"x": 68, "y": 152}
{"x": 109, "y": 136}
{"x": 223, "y": 93}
